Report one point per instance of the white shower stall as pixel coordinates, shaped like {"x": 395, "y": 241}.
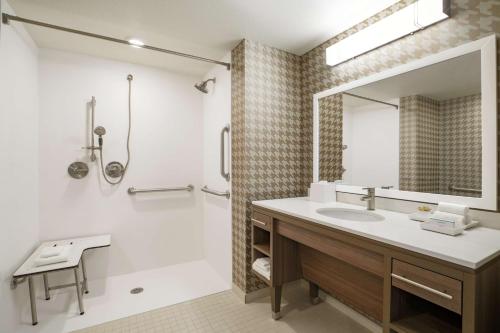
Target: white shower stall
{"x": 175, "y": 245}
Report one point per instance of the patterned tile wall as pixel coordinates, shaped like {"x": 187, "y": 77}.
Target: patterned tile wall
{"x": 289, "y": 126}
{"x": 460, "y": 144}
{"x": 267, "y": 133}
{"x": 418, "y": 144}
{"x": 330, "y": 145}
{"x": 471, "y": 20}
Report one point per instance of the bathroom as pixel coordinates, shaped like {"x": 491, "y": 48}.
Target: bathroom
{"x": 162, "y": 149}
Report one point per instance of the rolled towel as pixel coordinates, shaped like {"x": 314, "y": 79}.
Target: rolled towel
{"x": 452, "y": 219}
{"x": 52, "y": 251}
{"x": 62, "y": 257}
{"x": 453, "y": 208}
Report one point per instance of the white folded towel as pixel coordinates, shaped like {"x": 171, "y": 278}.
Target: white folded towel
{"x": 263, "y": 267}
{"x": 264, "y": 263}
{"x": 453, "y": 208}
{"x": 61, "y": 257}
{"x": 442, "y": 217}
{"x": 51, "y": 251}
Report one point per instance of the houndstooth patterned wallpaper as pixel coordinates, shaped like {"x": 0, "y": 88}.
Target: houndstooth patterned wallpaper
{"x": 330, "y": 137}
{"x": 460, "y": 148}
{"x": 279, "y": 162}
{"x": 267, "y": 134}
{"x": 440, "y": 144}
{"x": 418, "y": 144}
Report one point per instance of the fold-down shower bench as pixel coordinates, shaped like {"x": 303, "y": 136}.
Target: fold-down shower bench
{"x": 78, "y": 247}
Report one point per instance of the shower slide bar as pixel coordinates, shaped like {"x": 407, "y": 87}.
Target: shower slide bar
{"x": 217, "y": 193}
{"x": 464, "y": 189}
{"x": 133, "y": 190}
{"x": 6, "y": 18}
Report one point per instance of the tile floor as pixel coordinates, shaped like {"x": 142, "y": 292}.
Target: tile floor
{"x": 225, "y": 312}
{"x": 109, "y": 299}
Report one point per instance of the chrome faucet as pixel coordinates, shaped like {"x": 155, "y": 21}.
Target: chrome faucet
{"x": 369, "y": 198}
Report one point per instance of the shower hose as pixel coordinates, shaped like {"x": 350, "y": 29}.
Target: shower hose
{"x": 129, "y": 78}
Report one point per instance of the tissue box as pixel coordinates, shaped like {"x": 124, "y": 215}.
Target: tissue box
{"x": 322, "y": 191}
{"x": 443, "y": 228}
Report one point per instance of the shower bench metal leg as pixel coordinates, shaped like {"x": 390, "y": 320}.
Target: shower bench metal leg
{"x": 28, "y": 270}
{"x": 46, "y": 286}
{"x": 34, "y": 317}
{"x": 85, "y": 287}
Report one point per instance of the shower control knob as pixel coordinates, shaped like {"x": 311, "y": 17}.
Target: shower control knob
{"x": 114, "y": 169}
{"x": 78, "y": 170}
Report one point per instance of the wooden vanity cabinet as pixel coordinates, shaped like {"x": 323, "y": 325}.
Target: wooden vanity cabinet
{"x": 403, "y": 291}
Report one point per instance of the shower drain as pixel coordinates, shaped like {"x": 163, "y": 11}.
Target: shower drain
{"x": 137, "y": 290}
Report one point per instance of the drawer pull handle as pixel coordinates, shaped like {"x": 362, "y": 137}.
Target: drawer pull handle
{"x": 416, "y": 284}
{"x": 259, "y": 222}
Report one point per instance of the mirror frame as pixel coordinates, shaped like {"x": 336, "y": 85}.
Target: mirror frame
{"x": 488, "y": 200}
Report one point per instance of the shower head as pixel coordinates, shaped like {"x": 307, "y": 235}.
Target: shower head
{"x": 202, "y": 86}
{"x": 99, "y": 130}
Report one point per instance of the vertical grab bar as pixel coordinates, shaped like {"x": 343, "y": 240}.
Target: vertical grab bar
{"x": 223, "y": 172}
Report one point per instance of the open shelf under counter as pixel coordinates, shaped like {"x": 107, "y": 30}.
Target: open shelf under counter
{"x": 423, "y": 322}
{"x": 264, "y": 248}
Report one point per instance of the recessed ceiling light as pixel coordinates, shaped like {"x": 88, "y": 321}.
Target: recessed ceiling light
{"x": 135, "y": 42}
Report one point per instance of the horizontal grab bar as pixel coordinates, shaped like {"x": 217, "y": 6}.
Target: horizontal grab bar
{"x": 463, "y": 189}
{"x": 132, "y": 190}
{"x": 217, "y": 193}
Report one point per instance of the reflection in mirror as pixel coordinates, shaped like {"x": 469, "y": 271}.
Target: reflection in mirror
{"x": 419, "y": 131}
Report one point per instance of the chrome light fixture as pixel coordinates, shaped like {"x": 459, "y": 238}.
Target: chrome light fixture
{"x": 416, "y": 16}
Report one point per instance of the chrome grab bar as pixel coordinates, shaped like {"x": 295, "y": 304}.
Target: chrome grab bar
{"x": 133, "y": 190}
{"x": 422, "y": 286}
{"x": 217, "y": 193}
{"x": 223, "y": 172}
{"x": 464, "y": 189}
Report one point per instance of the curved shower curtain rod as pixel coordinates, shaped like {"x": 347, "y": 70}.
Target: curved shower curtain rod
{"x": 6, "y": 18}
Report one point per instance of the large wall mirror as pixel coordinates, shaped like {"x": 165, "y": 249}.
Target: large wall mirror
{"x": 425, "y": 131}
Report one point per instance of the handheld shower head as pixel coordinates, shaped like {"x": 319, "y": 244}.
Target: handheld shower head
{"x": 100, "y": 131}
{"x": 202, "y": 86}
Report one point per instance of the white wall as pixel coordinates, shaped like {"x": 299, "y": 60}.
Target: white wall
{"x": 148, "y": 230}
{"x": 371, "y": 133}
{"x": 19, "y": 164}
{"x": 217, "y": 210}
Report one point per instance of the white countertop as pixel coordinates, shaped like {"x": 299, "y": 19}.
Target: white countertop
{"x": 473, "y": 248}
{"x": 78, "y": 245}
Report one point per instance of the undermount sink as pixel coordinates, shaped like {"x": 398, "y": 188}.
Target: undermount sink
{"x": 350, "y": 214}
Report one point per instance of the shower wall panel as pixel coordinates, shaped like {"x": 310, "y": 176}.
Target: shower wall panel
{"x": 149, "y": 230}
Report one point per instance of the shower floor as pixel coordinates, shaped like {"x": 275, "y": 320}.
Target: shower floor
{"x": 110, "y": 298}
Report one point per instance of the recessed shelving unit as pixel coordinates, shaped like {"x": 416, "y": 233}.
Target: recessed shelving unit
{"x": 261, "y": 244}
{"x": 414, "y": 314}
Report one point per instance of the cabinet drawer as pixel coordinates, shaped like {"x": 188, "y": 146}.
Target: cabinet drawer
{"x": 434, "y": 287}
{"x": 262, "y": 221}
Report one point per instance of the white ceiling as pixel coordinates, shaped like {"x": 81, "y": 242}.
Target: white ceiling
{"x": 207, "y": 28}
{"x": 460, "y": 76}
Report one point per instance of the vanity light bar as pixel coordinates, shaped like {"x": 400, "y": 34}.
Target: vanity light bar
{"x": 416, "y": 16}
